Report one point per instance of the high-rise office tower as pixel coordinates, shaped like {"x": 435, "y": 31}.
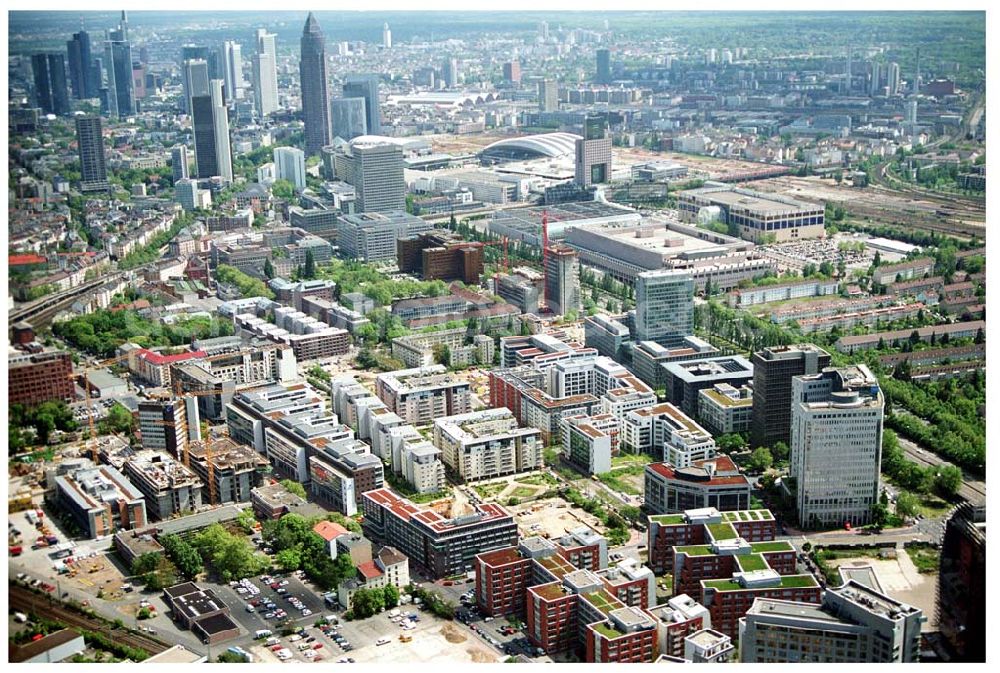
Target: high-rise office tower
{"x": 961, "y": 597}
{"x": 348, "y": 118}
{"x": 773, "y": 370}
{"x": 875, "y": 83}
{"x": 593, "y": 152}
{"x": 265, "y": 73}
{"x": 232, "y": 53}
{"x": 118, "y": 65}
{"x": 211, "y": 133}
{"x": 892, "y": 79}
{"x": 80, "y": 64}
{"x": 376, "y": 172}
{"x": 366, "y": 86}
{"x": 50, "y": 83}
{"x": 90, "y": 147}
{"x": 543, "y": 30}
{"x": 562, "y": 279}
{"x": 179, "y": 162}
{"x": 911, "y": 112}
{"x": 512, "y": 71}
{"x": 603, "y": 75}
{"x": 847, "y": 70}
{"x": 386, "y": 36}
{"x": 195, "y": 79}
{"x": 450, "y": 72}
{"x": 664, "y": 306}
{"x": 315, "y": 89}
{"x": 290, "y": 164}
{"x": 548, "y": 95}
{"x": 836, "y": 445}
{"x": 211, "y": 55}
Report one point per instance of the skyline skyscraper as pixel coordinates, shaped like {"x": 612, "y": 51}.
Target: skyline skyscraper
{"x": 548, "y": 95}
{"x": 376, "y": 172}
{"x": 366, "y": 86}
{"x": 562, "y": 279}
{"x": 386, "y": 36}
{"x": 90, "y": 148}
{"x": 118, "y": 65}
{"x": 232, "y": 52}
{"x": 603, "y": 75}
{"x": 195, "y": 79}
{"x": 81, "y": 64}
{"x": 349, "y": 120}
{"x": 265, "y": 73}
{"x": 315, "y": 87}
{"x": 593, "y": 152}
{"x": 664, "y": 306}
{"x": 450, "y": 72}
{"x": 211, "y": 133}
{"x": 179, "y": 162}
{"x": 49, "y": 71}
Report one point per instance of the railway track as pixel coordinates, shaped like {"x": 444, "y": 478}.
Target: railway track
{"x": 22, "y": 598}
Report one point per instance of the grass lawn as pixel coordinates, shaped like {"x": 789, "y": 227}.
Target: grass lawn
{"x": 927, "y": 559}
{"x": 538, "y": 479}
{"x": 490, "y": 490}
{"x": 611, "y": 479}
{"x": 626, "y": 459}
{"x": 932, "y": 506}
{"x": 523, "y": 492}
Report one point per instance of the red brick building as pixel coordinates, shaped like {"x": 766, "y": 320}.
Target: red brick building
{"x": 667, "y": 531}
{"x": 40, "y": 377}
{"x": 728, "y": 600}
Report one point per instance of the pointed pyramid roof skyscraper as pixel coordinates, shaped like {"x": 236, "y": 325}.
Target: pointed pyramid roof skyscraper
{"x": 312, "y": 25}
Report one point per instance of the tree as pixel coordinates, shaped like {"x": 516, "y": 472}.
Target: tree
{"x": 187, "y": 559}
{"x": 390, "y": 595}
{"x": 877, "y": 260}
{"x": 826, "y": 268}
{"x": 367, "y": 602}
{"x": 731, "y": 442}
{"x": 228, "y": 657}
{"x": 907, "y": 504}
{"x": 269, "y": 268}
{"x": 283, "y": 189}
{"x": 145, "y": 563}
{"x": 294, "y": 487}
{"x": 780, "y": 451}
{"x": 118, "y": 421}
{"x": 879, "y": 514}
{"x": 948, "y": 480}
{"x": 309, "y": 272}
{"x": 288, "y": 559}
{"x": 760, "y": 459}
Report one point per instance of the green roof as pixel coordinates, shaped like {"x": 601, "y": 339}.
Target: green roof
{"x": 723, "y": 585}
{"x": 668, "y": 519}
{"x": 607, "y": 630}
{"x": 722, "y": 531}
{"x": 551, "y": 591}
{"x": 695, "y": 550}
{"x": 603, "y": 601}
{"x": 798, "y": 581}
{"x": 751, "y": 562}
{"x": 787, "y": 582}
{"x": 777, "y": 545}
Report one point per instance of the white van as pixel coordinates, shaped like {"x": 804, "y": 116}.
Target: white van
{"x": 263, "y": 633}
{"x": 382, "y": 641}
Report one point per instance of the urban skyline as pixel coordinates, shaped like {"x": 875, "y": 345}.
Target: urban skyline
{"x": 511, "y": 336}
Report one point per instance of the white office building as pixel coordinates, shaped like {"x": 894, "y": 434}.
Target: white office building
{"x": 836, "y": 445}
{"x": 290, "y": 164}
